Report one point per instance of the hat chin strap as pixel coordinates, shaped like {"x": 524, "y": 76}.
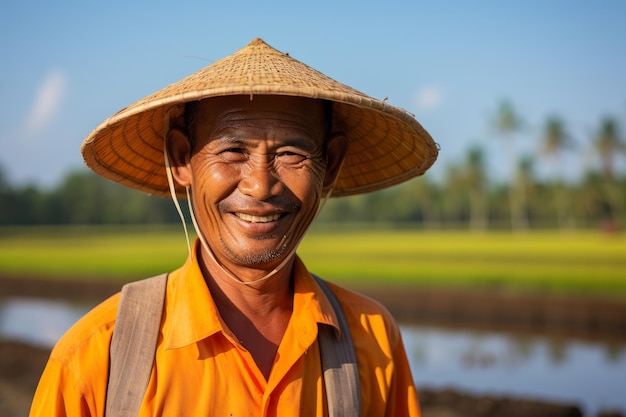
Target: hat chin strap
{"x": 170, "y": 183}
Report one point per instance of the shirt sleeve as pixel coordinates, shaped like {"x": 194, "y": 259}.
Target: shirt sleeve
{"x": 403, "y": 399}
{"x": 57, "y": 394}
{"x": 74, "y": 381}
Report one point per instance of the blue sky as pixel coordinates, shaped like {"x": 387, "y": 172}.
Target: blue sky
{"x": 68, "y": 65}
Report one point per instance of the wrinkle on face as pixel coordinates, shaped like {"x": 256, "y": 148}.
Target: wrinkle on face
{"x": 259, "y": 157}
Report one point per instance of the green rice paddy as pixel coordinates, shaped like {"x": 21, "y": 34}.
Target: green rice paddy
{"x": 584, "y": 262}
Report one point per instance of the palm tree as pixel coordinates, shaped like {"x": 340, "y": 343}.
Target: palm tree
{"x": 454, "y": 205}
{"x": 555, "y": 141}
{"x": 507, "y": 124}
{"x": 476, "y": 184}
{"x": 608, "y": 144}
{"x": 519, "y": 188}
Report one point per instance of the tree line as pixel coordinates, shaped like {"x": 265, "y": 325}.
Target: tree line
{"x": 464, "y": 198}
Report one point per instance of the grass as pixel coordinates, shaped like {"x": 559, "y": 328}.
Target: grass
{"x": 586, "y": 262}
{"x": 539, "y": 261}
{"x": 91, "y": 252}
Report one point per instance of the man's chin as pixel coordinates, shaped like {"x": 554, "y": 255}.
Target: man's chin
{"x": 268, "y": 258}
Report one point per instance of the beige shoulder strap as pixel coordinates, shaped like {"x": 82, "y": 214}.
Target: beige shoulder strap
{"x": 134, "y": 343}
{"x": 341, "y": 375}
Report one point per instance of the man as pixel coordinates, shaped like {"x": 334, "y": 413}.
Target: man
{"x": 256, "y": 142}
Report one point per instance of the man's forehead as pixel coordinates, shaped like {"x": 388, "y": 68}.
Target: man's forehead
{"x": 261, "y": 111}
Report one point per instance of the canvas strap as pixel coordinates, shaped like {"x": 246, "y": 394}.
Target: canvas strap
{"x": 135, "y": 337}
{"x": 341, "y": 375}
{"x": 133, "y": 345}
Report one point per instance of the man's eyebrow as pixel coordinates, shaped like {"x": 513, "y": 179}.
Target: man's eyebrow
{"x": 305, "y": 143}
{"x": 239, "y": 136}
{"x": 228, "y": 135}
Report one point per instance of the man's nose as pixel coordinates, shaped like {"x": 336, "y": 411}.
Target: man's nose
{"x": 260, "y": 181}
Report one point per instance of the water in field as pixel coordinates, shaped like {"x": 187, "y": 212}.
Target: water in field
{"x": 589, "y": 374}
{"x": 38, "y": 322}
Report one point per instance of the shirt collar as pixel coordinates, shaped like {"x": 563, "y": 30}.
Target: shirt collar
{"x": 193, "y": 315}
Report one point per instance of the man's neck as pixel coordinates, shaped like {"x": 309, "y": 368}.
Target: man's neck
{"x": 257, "y": 315}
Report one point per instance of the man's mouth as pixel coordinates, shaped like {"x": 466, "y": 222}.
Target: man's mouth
{"x": 258, "y": 219}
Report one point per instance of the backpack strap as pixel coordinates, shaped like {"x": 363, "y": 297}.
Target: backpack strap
{"x": 133, "y": 345}
{"x": 341, "y": 374}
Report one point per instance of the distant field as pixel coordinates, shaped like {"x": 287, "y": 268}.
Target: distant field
{"x": 91, "y": 252}
{"x": 585, "y": 262}
{"x": 543, "y": 261}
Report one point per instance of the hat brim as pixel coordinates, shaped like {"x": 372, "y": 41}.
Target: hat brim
{"x": 386, "y": 144}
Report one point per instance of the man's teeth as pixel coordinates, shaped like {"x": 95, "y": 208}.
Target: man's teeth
{"x": 258, "y": 219}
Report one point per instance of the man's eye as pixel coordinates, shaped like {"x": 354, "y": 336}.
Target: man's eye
{"x": 233, "y": 154}
{"x": 289, "y": 157}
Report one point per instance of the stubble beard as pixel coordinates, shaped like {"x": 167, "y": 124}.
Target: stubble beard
{"x": 264, "y": 257}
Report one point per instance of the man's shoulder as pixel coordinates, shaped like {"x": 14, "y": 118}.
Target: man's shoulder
{"x": 94, "y": 328}
{"x": 366, "y": 316}
{"x": 358, "y": 303}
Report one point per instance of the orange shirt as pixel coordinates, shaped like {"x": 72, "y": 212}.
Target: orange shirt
{"x": 201, "y": 370}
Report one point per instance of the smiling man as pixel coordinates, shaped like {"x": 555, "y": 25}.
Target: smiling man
{"x": 256, "y": 142}
{"x": 259, "y": 167}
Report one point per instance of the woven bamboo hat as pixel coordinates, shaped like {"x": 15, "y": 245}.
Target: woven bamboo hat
{"x": 386, "y": 144}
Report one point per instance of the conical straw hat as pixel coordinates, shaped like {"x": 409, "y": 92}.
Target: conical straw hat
{"x": 386, "y": 144}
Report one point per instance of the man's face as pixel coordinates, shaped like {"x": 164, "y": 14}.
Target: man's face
{"x": 258, "y": 169}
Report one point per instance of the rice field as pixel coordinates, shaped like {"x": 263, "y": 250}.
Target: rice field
{"x": 540, "y": 261}
{"x": 586, "y": 262}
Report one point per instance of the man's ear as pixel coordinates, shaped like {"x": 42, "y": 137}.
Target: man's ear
{"x": 179, "y": 152}
{"x": 336, "y": 149}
